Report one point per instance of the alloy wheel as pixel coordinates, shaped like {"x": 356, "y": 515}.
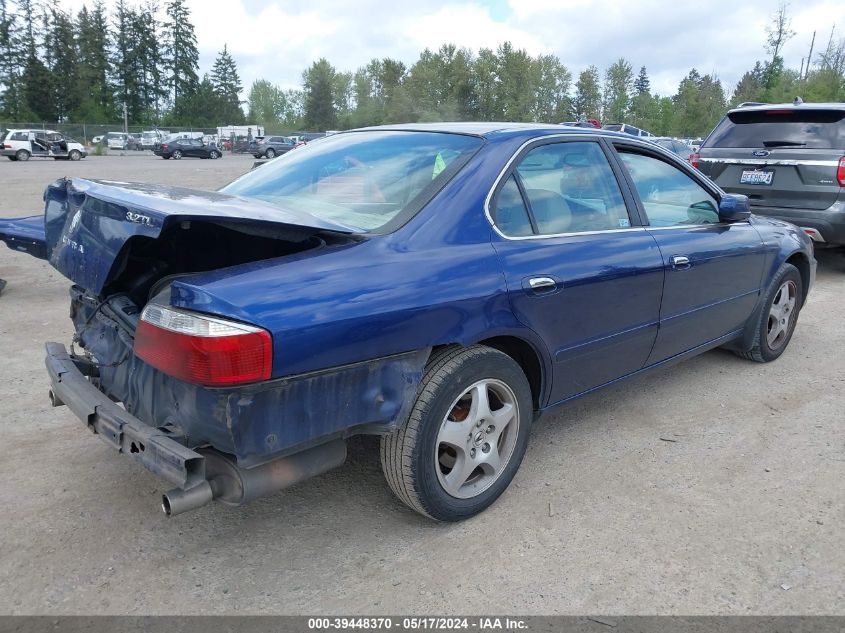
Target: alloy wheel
{"x": 476, "y": 439}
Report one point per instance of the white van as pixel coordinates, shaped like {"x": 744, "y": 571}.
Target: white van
{"x": 21, "y": 145}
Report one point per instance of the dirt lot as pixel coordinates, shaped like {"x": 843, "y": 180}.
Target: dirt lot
{"x": 737, "y": 510}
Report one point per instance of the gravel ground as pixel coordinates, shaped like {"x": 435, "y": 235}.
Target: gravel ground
{"x": 713, "y": 487}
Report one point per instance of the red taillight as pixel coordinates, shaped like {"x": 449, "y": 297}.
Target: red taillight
{"x": 164, "y": 146}
{"x": 203, "y": 350}
{"x": 840, "y": 172}
{"x": 694, "y": 159}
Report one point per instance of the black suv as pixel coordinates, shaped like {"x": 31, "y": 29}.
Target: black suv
{"x": 271, "y": 146}
{"x": 789, "y": 159}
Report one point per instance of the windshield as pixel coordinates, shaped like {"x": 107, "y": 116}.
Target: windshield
{"x": 810, "y": 129}
{"x": 360, "y": 179}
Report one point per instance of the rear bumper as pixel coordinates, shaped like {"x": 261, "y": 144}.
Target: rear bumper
{"x": 199, "y": 477}
{"x": 830, "y": 222}
{"x": 149, "y": 446}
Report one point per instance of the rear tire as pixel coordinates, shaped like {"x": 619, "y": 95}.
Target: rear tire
{"x": 270, "y": 153}
{"x": 12, "y": 158}
{"x": 22, "y": 155}
{"x": 465, "y": 437}
{"x": 176, "y": 155}
{"x": 776, "y": 323}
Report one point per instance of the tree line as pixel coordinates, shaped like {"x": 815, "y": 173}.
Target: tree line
{"x": 508, "y": 84}
{"x": 59, "y": 67}
{"x": 55, "y": 66}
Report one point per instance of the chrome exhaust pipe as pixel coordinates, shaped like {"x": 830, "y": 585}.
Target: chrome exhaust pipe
{"x": 230, "y": 484}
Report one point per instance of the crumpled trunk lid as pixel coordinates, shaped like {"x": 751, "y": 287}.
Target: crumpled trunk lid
{"x": 94, "y": 231}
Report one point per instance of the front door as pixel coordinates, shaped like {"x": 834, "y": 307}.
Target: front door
{"x": 579, "y": 272}
{"x": 713, "y": 269}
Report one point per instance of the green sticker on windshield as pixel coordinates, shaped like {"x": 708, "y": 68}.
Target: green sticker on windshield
{"x": 439, "y": 166}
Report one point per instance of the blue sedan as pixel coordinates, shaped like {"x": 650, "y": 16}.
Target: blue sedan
{"x": 437, "y": 285}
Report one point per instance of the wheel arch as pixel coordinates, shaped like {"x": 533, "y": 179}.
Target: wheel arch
{"x": 526, "y": 356}
{"x": 802, "y": 263}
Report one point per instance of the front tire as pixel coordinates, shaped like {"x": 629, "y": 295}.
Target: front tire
{"x": 465, "y": 437}
{"x": 776, "y": 324}
{"x": 213, "y": 155}
{"x": 75, "y": 155}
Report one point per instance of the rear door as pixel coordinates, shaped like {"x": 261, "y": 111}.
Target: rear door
{"x": 580, "y": 271}
{"x": 713, "y": 269}
{"x": 786, "y": 158}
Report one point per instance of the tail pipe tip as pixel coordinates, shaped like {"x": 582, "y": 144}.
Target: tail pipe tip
{"x": 177, "y": 501}
{"x": 54, "y": 399}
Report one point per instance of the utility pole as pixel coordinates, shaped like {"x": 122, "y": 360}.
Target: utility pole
{"x": 125, "y": 130}
{"x": 810, "y": 56}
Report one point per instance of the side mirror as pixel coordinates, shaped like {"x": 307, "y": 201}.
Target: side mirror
{"x": 734, "y": 207}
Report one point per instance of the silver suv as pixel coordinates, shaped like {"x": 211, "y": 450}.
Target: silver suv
{"x": 789, "y": 159}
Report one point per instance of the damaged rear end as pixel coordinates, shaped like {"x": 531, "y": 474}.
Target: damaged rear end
{"x": 193, "y": 391}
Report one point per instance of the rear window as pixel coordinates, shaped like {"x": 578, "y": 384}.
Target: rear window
{"x": 811, "y": 129}
{"x": 362, "y": 180}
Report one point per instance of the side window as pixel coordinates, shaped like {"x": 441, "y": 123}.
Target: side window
{"x": 509, "y": 212}
{"x": 571, "y": 188}
{"x": 669, "y": 196}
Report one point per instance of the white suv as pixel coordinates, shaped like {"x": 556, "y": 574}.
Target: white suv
{"x": 20, "y": 145}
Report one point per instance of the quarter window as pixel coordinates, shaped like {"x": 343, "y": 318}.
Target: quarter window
{"x": 510, "y": 213}
{"x": 568, "y": 188}
{"x": 669, "y": 196}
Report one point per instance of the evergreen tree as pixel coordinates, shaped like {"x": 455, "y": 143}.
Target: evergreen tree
{"x": 93, "y": 41}
{"x": 126, "y": 62}
{"x": 227, "y": 87}
{"x": 37, "y": 81}
{"x": 182, "y": 57}
{"x": 11, "y": 66}
{"x": 150, "y": 62}
{"x": 65, "y": 65}
{"x": 318, "y": 84}
{"x": 642, "y": 85}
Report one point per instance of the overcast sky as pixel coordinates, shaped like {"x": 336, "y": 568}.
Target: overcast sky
{"x": 277, "y": 40}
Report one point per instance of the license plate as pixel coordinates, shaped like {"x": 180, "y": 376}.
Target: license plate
{"x": 756, "y": 177}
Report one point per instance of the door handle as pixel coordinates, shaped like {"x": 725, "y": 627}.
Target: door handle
{"x": 680, "y": 262}
{"x": 541, "y": 283}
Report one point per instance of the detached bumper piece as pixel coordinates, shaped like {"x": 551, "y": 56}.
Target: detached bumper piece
{"x": 201, "y": 475}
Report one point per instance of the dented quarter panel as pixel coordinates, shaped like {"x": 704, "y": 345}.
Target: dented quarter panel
{"x": 254, "y": 423}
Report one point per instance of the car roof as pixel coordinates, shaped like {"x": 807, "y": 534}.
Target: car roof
{"x": 493, "y": 128}
{"x": 789, "y": 106}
